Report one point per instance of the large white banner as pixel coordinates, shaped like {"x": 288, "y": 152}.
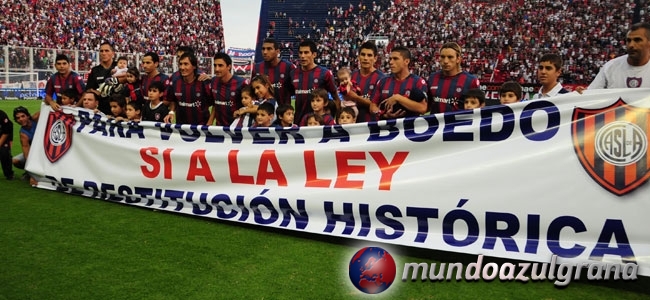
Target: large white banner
{"x": 565, "y": 176}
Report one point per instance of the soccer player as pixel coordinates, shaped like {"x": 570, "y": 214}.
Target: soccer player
{"x": 150, "y": 62}
{"x": 189, "y": 98}
{"x": 367, "y": 78}
{"x": 64, "y": 79}
{"x": 549, "y": 70}
{"x": 309, "y": 77}
{"x": 278, "y": 70}
{"x": 401, "y": 94}
{"x": 225, "y": 91}
{"x": 631, "y": 70}
{"x": 447, "y": 86}
{"x": 98, "y": 74}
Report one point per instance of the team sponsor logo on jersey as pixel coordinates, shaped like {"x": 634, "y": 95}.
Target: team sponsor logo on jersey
{"x": 58, "y": 135}
{"x": 612, "y": 145}
{"x": 634, "y": 82}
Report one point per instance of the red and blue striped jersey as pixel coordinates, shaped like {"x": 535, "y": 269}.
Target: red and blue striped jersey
{"x": 389, "y": 86}
{"x": 57, "y": 84}
{"x": 146, "y": 82}
{"x": 280, "y": 77}
{"x": 446, "y": 92}
{"x": 367, "y": 85}
{"x": 304, "y": 82}
{"x": 192, "y": 100}
{"x": 227, "y": 98}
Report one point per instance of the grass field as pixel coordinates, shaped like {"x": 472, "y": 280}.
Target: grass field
{"x": 59, "y": 246}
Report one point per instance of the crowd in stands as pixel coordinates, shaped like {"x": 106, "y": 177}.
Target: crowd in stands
{"x": 133, "y": 26}
{"x": 501, "y": 39}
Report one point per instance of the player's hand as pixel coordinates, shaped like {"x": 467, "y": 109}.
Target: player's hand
{"x": 168, "y": 118}
{"x": 237, "y": 113}
{"x": 400, "y": 113}
{"x": 55, "y": 106}
{"x": 374, "y": 108}
{"x": 580, "y": 89}
{"x": 204, "y": 77}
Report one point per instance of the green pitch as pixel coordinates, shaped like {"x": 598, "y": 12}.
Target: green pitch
{"x": 59, "y": 246}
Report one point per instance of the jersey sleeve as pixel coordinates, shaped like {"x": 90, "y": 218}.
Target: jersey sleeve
{"x": 49, "y": 87}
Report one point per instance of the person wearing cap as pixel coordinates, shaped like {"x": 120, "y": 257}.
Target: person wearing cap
{"x": 401, "y": 94}
{"x": 27, "y": 131}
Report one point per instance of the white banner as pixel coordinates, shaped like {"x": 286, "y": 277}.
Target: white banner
{"x": 561, "y": 177}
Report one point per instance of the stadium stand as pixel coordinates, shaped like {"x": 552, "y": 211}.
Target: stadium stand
{"x": 133, "y": 26}
{"x": 502, "y": 39}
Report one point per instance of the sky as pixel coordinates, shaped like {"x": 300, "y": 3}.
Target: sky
{"x": 240, "y": 22}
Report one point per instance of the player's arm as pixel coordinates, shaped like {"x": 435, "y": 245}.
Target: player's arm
{"x": 330, "y": 86}
{"x": 49, "y": 91}
{"x": 24, "y": 142}
{"x": 418, "y": 107}
{"x": 3, "y": 138}
{"x": 169, "y": 118}
{"x": 92, "y": 84}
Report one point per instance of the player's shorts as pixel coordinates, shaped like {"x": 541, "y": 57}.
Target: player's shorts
{"x": 19, "y": 161}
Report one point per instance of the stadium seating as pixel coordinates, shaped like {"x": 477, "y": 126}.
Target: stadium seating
{"x": 134, "y": 26}
{"x": 502, "y": 39}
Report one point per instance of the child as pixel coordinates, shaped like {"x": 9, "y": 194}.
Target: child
{"x": 318, "y": 102}
{"x": 264, "y": 90}
{"x": 132, "y": 90}
{"x": 474, "y": 98}
{"x": 347, "y": 116}
{"x": 245, "y": 116}
{"x": 549, "y": 70}
{"x": 346, "y": 85}
{"x": 315, "y": 120}
{"x": 133, "y": 111}
{"x": 154, "y": 110}
{"x": 69, "y": 97}
{"x": 264, "y": 116}
{"x": 118, "y": 107}
{"x": 510, "y": 92}
{"x": 284, "y": 116}
{"x": 6, "y": 137}
{"x": 121, "y": 68}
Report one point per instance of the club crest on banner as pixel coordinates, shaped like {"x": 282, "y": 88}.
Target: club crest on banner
{"x": 58, "y": 135}
{"x": 612, "y": 145}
